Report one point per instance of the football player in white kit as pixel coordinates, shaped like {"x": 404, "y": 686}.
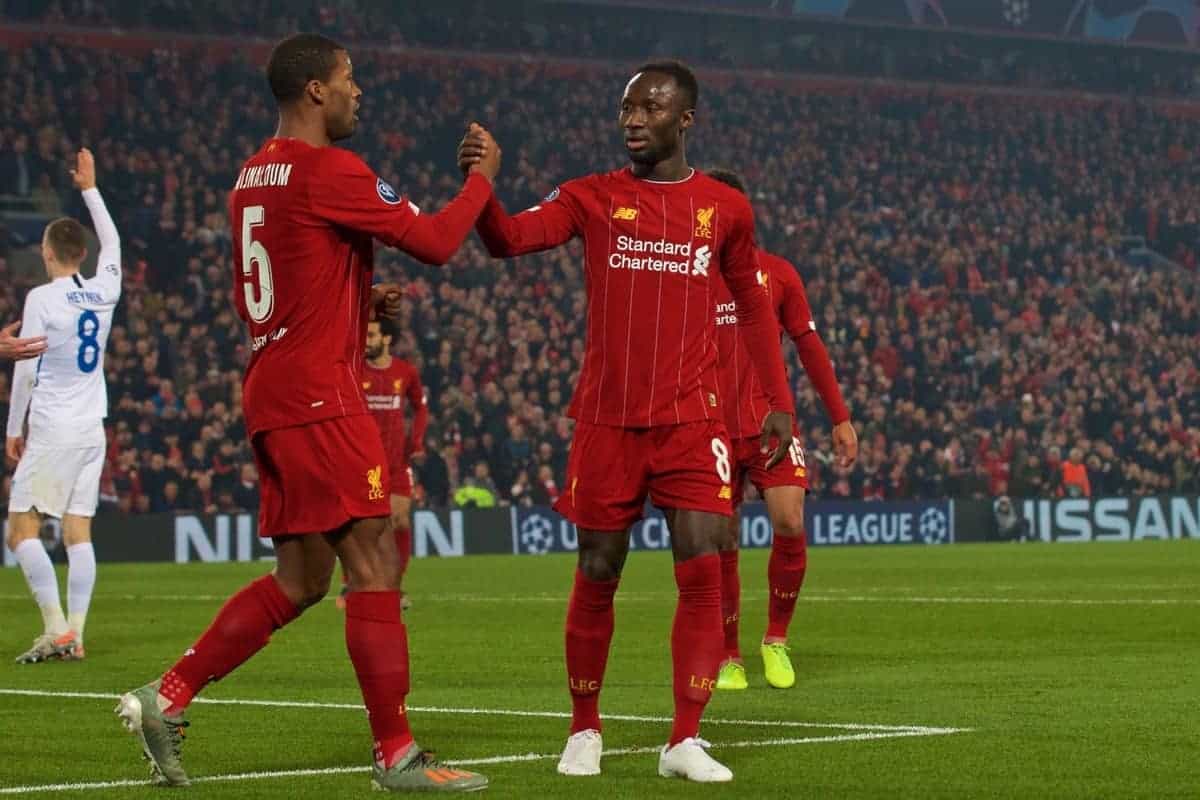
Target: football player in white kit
{"x": 63, "y": 393}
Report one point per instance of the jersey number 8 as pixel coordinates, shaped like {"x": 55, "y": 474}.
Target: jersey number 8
{"x": 252, "y": 251}
{"x": 89, "y": 347}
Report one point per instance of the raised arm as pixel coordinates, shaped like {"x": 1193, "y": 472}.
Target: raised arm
{"x": 345, "y": 191}
{"x": 553, "y": 222}
{"x": 543, "y": 227}
{"x": 108, "y": 263}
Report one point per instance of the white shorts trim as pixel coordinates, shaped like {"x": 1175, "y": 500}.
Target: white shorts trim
{"x": 56, "y": 480}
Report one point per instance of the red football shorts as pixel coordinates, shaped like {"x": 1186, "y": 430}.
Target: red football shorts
{"x": 315, "y": 478}
{"x": 750, "y": 464}
{"x": 611, "y": 470}
{"x": 402, "y": 479}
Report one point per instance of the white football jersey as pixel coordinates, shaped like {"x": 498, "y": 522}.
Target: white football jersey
{"x": 64, "y": 390}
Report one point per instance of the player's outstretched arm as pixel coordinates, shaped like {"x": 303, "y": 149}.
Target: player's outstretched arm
{"x": 33, "y": 324}
{"x": 108, "y": 264}
{"x": 14, "y": 349}
{"x": 553, "y": 222}
{"x": 346, "y": 192}
{"x": 443, "y": 233}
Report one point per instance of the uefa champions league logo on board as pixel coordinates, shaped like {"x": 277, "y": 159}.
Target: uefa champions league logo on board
{"x": 537, "y": 535}
{"x": 933, "y": 527}
{"x": 1016, "y": 12}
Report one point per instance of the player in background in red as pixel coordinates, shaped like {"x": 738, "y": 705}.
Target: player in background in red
{"x": 782, "y": 486}
{"x": 391, "y": 383}
{"x": 304, "y": 218}
{"x": 656, "y": 234}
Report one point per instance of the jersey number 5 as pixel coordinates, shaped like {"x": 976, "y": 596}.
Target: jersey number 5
{"x": 259, "y": 309}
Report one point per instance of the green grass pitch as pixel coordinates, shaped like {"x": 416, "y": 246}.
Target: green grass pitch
{"x": 1067, "y": 671}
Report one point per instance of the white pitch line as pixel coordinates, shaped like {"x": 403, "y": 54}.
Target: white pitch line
{"x": 818, "y": 597}
{"x": 512, "y": 712}
{"x": 1018, "y": 601}
{"x": 471, "y": 762}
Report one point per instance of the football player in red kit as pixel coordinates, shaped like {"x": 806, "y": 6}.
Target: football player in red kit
{"x": 782, "y": 486}
{"x": 304, "y": 218}
{"x": 656, "y": 236}
{"x": 393, "y": 386}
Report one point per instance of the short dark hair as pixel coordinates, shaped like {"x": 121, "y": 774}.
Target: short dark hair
{"x": 67, "y": 240}
{"x": 387, "y": 327}
{"x": 684, "y": 78}
{"x": 727, "y": 177}
{"x": 297, "y": 60}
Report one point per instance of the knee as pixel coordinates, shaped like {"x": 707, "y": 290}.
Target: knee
{"x": 313, "y": 593}
{"x": 598, "y": 565}
{"x": 305, "y": 592}
{"x": 789, "y": 521}
{"x": 19, "y": 531}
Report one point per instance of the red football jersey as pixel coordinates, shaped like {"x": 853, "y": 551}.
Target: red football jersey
{"x": 742, "y": 395}
{"x": 387, "y": 391}
{"x": 653, "y": 250}
{"x": 304, "y": 220}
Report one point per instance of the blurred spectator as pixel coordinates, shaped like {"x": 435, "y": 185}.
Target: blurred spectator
{"x": 1074, "y": 475}
{"x": 245, "y": 494}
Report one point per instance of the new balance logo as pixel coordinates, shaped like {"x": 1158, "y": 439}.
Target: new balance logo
{"x": 626, "y": 213}
{"x": 700, "y": 263}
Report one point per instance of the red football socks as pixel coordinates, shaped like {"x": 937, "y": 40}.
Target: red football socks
{"x": 785, "y": 576}
{"x": 731, "y": 600}
{"x": 403, "y": 546}
{"x": 696, "y": 641}
{"x": 589, "y": 632}
{"x": 378, "y": 645}
{"x": 241, "y": 628}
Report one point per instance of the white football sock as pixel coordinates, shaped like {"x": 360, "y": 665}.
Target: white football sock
{"x": 81, "y": 579}
{"x": 39, "y": 574}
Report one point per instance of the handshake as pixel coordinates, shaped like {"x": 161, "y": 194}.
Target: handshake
{"x": 478, "y": 152}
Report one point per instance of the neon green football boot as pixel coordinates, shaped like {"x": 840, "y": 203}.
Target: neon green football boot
{"x": 732, "y": 676}
{"x": 778, "y": 665}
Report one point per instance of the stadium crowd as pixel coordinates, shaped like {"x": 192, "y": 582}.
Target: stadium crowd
{"x": 974, "y": 263}
{"x": 617, "y": 31}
